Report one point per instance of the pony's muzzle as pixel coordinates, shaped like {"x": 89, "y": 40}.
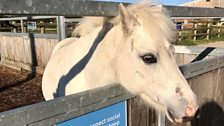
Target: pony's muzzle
{"x": 190, "y": 107}
{"x": 189, "y": 114}
{"x": 184, "y": 109}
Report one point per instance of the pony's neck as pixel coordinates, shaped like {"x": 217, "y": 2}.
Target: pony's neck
{"x": 103, "y": 61}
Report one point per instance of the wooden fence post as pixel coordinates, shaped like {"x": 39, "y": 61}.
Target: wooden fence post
{"x": 25, "y": 26}
{"x": 14, "y": 29}
{"x": 195, "y": 30}
{"x": 208, "y": 30}
{"x": 42, "y": 28}
{"x": 180, "y": 35}
{"x": 219, "y": 28}
{"x": 25, "y": 29}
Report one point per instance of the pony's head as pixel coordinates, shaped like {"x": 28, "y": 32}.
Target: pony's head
{"x": 142, "y": 57}
{"x": 145, "y": 63}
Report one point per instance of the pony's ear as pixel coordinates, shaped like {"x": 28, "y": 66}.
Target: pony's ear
{"x": 127, "y": 19}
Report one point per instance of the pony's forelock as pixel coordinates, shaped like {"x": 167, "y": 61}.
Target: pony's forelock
{"x": 154, "y": 17}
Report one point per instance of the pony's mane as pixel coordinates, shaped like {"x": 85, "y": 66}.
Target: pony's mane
{"x": 153, "y": 17}
{"x": 86, "y": 25}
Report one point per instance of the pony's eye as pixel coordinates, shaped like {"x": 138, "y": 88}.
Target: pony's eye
{"x": 149, "y": 58}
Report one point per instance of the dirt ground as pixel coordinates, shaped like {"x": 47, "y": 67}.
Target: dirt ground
{"x": 18, "y": 88}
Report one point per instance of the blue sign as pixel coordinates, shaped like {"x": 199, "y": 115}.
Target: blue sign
{"x": 114, "y": 115}
{"x": 31, "y": 25}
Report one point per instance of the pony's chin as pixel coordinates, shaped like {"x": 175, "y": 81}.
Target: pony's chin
{"x": 172, "y": 119}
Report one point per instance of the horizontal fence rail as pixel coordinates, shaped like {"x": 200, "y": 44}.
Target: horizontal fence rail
{"x": 59, "y": 7}
{"x": 26, "y": 18}
{"x": 197, "y": 50}
{"x": 200, "y": 67}
{"x": 47, "y": 36}
{"x": 64, "y": 108}
{"x": 90, "y": 8}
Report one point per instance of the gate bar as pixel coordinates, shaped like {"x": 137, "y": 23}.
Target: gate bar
{"x": 58, "y": 7}
{"x": 78, "y": 8}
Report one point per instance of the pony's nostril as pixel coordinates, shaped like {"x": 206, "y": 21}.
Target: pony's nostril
{"x": 179, "y": 91}
{"x": 189, "y": 111}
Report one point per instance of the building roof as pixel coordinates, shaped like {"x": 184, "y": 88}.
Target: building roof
{"x": 198, "y": 3}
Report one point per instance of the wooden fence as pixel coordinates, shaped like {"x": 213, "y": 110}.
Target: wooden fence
{"x": 26, "y": 51}
{"x": 186, "y": 54}
{"x": 200, "y": 29}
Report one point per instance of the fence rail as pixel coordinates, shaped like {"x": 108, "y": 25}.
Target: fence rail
{"x": 48, "y": 113}
{"x": 51, "y": 7}
{"x": 91, "y": 8}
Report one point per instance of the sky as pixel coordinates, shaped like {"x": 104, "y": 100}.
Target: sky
{"x": 172, "y": 2}
{"x": 165, "y": 2}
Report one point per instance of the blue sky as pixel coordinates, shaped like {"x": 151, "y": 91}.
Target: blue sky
{"x": 172, "y": 2}
{"x": 165, "y": 2}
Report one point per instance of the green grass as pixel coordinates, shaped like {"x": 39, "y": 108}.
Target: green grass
{"x": 189, "y": 42}
{"x": 186, "y": 42}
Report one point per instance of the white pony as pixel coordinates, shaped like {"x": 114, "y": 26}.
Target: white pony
{"x": 132, "y": 49}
